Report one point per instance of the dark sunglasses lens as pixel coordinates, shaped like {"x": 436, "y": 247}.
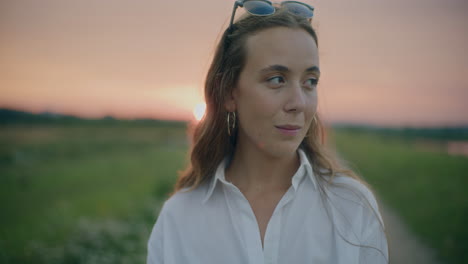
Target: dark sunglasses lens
{"x": 298, "y": 9}
{"x": 259, "y": 8}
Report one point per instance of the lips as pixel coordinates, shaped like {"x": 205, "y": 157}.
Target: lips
{"x": 289, "y": 127}
{"x": 289, "y": 130}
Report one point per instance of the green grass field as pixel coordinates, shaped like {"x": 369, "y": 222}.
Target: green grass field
{"x": 428, "y": 189}
{"x": 90, "y": 193}
{"x": 57, "y": 181}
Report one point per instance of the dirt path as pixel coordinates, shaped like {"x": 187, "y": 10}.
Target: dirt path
{"x": 404, "y": 246}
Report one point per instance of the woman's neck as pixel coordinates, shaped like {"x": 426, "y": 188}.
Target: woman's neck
{"x": 253, "y": 170}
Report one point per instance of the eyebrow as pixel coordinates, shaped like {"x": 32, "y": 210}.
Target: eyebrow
{"x": 282, "y": 68}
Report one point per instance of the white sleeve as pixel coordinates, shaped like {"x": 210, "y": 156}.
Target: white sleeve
{"x": 374, "y": 249}
{"x": 156, "y": 242}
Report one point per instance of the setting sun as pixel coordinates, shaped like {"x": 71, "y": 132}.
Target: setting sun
{"x": 199, "y": 111}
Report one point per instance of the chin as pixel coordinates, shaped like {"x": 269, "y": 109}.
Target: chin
{"x": 281, "y": 149}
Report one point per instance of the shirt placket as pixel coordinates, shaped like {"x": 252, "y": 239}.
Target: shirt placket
{"x": 273, "y": 231}
{"x": 247, "y": 224}
{"x": 249, "y": 227}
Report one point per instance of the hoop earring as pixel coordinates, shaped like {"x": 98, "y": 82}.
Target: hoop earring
{"x": 231, "y": 120}
{"x": 314, "y": 120}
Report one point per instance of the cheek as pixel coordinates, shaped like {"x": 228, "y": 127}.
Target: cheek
{"x": 258, "y": 103}
{"x": 254, "y": 126}
{"x": 257, "y": 109}
{"x": 255, "y": 116}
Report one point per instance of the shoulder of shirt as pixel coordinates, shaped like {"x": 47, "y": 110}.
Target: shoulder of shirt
{"x": 355, "y": 203}
{"x": 185, "y": 199}
{"x": 352, "y": 190}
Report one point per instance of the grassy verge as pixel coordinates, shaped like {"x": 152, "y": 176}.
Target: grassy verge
{"x": 428, "y": 189}
{"x": 62, "y": 185}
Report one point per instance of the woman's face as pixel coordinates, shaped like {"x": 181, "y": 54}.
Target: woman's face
{"x": 276, "y": 94}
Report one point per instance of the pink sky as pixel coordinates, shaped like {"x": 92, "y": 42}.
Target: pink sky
{"x": 383, "y": 62}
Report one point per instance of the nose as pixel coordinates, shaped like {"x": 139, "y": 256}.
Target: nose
{"x": 296, "y": 98}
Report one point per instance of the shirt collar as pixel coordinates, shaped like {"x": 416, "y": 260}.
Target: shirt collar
{"x": 305, "y": 168}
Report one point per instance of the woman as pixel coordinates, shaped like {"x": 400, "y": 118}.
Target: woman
{"x": 261, "y": 187}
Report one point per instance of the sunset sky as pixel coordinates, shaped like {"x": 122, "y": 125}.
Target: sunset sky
{"x": 393, "y": 63}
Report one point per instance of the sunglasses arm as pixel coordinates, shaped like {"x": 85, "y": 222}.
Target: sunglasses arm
{"x": 236, "y": 4}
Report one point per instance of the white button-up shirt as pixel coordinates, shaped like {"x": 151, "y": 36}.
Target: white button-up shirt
{"x": 214, "y": 223}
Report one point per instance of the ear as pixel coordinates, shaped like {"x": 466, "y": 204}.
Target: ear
{"x": 230, "y": 101}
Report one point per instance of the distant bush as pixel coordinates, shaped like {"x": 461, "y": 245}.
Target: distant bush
{"x": 435, "y": 133}
{"x": 8, "y": 116}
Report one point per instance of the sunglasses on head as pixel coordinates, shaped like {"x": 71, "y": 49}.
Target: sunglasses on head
{"x": 265, "y": 8}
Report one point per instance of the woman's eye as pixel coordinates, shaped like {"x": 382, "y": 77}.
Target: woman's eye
{"x": 312, "y": 82}
{"x": 277, "y": 80}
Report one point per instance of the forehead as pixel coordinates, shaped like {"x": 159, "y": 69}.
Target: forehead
{"x": 294, "y": 48}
